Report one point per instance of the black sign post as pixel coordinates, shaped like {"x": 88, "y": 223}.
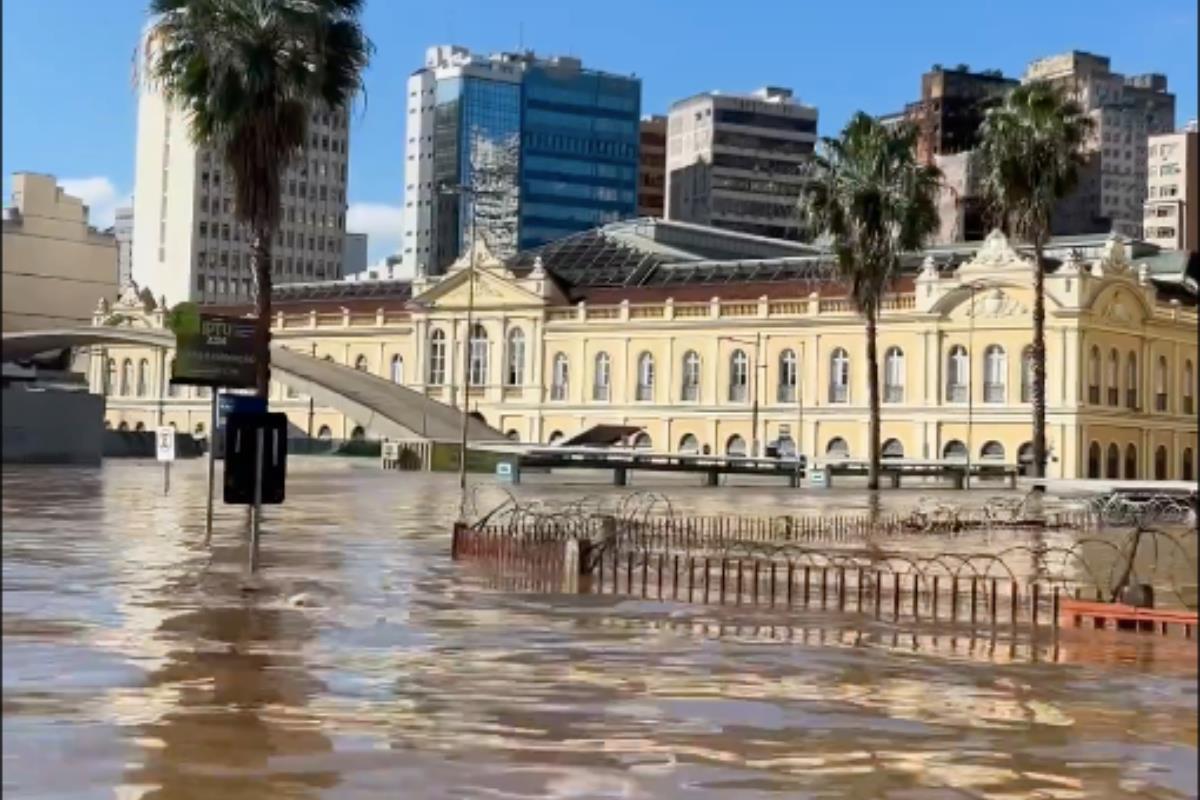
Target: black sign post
{"x": 255, "y": 465}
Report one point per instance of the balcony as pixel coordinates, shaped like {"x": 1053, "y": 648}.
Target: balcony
{"x": 956, "y": 393}
{"x": 839, "y": 393}
{"x": 644, "y": 393}
{"x": 993, "y": 392}
{"x": 690, "y": 393}
{"x": 558, "y": 392}
{"x": 737, "y": 393}
{"x": 601, "y": 392}
{"x": 893, "y": 393}
{"x": 785, "y": 393}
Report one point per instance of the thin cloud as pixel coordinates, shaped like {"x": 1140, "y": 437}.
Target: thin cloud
{"x": 383, "y": 225}
{"x": 100, "y": 195}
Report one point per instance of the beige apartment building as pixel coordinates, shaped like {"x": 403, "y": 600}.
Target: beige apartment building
{"x": 56, "y": 266}
{"x": 187, "y": 244}
{"x": 644, "y": 323}
{"x": 1172, "y": 217}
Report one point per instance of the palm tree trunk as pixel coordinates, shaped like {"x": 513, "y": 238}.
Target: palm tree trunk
{"x": 260, "y": 259}
{"x": 1039, "y": 360}
{"x": 873, "y": 397}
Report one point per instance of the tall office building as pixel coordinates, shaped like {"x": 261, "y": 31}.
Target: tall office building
{"x": 187, "y": 244}
{"x": 545, "y": 148}
{"x": 952, "y": 107}
{"x": 739, "y": 161}
{"x": 1125, "y": 110}
{"x": 652, "y": 167}
{"x": 1171, "y": 219}
{"x": 122, "y": 229}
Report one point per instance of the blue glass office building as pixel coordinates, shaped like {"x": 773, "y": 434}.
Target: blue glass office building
{"x": 579, "y": 150}
{"x": 551, "y": 148}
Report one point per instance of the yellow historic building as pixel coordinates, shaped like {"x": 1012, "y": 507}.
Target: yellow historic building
{"x": 719, "y": 341}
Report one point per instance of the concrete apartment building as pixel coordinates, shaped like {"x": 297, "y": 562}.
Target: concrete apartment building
{"x": 739, "y": 162}
{"x": 1171, "y": 219}
{"x": 187, "y": 244}
{"x": 550, "y": 147}
{"x": 1126, "y": 111}
{"x": 652, "y": 166}
{"x": 56, "y": 267}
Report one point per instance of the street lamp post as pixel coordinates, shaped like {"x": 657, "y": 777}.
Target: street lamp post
{"x": 757, "y": 342}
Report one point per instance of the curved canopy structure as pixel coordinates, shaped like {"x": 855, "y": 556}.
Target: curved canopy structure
{"x": 379, "y": 405}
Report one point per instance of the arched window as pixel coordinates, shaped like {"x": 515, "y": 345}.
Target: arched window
{"x": 839, "y": 376}
{"x": 477, "y": 371}
{"x": 1027, "y": 374}
{"x": 325, "y": 433}
{"x": 645, "y": 377}
{"x": 1160, "y": 385}
{"x": 127, "y": 377}
{"x": 110, "y": 379}
{"x": 559, "y": 377}
{"x": 123, "y": 425}
{"x": 739, "y": 377}
{"x": 437, "y": 358}
{"x": 514, "y": 371}
{"x": 735, "y": 446}
{"x": 893, "y": 375}
{"x": 957, "y": 372}
{"x": 140, "y": 426}
{"x": 690, "y": 389}
{"x": 995, "y": 377}
{"x": 892, "y": 448}
{"x": 1025, "y": 458}
{"x": 360, "y": 364}
{"x": 602, "y": 378}
{"x": 143, "y": 378}
{"x": 1131, "y": 381}
{"x": 1189, "y": 388}
{"x": 837, "y": 448}
{"x": 786, "y": 392}
{"x": 954, "y": 449}
{"x": 1093, "y": 470}
{"x": 785, "y": 446}
{"x": 1130, "y": 462}
{"x": 1160, "y": 464}
{"x": 397, "y": 369}
{"x": 358, "y": 434}
{"x": 512, "y": 435}
{"x": 1113, "y": 462}
{"x": 1189, "y": 469}
{"x": 1094, "y": 376}
{"x": 643, "y": 441}
{"x": 689, "y": 444}
{"x": 555, "y": 437}
{"x": 992, "y": 451}
{"x": 1114, "y": 371}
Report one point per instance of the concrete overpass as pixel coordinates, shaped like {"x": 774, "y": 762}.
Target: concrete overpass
{"x": 380, "y": 406}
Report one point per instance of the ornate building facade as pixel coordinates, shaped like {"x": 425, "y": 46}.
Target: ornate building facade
{"x": 653, "y": 324}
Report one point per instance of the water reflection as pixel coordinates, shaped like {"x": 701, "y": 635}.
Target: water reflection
{"x": 367, "y": 664}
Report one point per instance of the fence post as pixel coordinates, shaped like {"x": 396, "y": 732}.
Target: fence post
{"x": 878, "y": 592}
{"x": 859, "y": 589}
{"x": 824, "y": 585}
{"x": 1054, "y": 610}
{"x": 934, "y": 606}
{"x": 707, "y": 577}
{"x": 791, "y": 579}
{"x": 691, "y": 565}
{"x": 841, "y": 588}
{"x": 754, "y": 591}
{"x": 661, "y": 556}
{"x": 995, "y": 596}
{"x": 1033, "y": 604}
{"x": 895, "y": 595}
{"x": 675, "y": 577}
{"x": 739, "y": 582}
{"x": 772, "y": 584}
{"x": 1014, "y": 591}
{"x": 974, "y": 585}
{"x": 954, "y": 599}
{"x": 806, "y": 571}
{"x": 916, "y": 594}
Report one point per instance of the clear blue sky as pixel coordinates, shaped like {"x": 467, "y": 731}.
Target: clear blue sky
{"x": 68, "y": 107}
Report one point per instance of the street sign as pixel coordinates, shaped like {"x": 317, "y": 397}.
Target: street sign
{"x": 227, "y": 404}
{"x": 212, "y": 350}
{"x": 165, "y": 443}
{"x": 246, "y": 466}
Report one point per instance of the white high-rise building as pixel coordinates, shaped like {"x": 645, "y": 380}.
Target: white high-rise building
{"x": 123, "y": 229}
{"x": 739, "y": 161}
{"x": 187, "y": 244}
{"x": 1173, "y": 190}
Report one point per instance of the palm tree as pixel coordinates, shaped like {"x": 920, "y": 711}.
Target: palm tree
{"x": 249, "y": 73}
{"x": 1030, "y": 152}
{"x": 872, "y": 200}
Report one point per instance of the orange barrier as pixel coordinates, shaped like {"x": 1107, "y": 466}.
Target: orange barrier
{"x": 1074, "y": 612}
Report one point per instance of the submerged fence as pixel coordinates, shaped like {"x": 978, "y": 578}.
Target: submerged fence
{"x": 831, "y": 563}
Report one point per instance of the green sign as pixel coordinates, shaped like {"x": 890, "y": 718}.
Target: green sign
{"x": 212, "y": 350}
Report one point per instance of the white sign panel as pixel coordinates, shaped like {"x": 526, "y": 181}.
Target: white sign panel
{"x": 165, "y": 443}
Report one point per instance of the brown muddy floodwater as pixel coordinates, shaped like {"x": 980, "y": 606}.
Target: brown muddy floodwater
{"x": 369, "y": 665}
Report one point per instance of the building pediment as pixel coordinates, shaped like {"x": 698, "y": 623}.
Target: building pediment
{"x": 1121, "y": 306}
{"x": 996, "y": 255}
{"x": 493, "y": 290}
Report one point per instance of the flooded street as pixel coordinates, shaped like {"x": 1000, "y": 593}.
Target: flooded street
{"x": 369, "y": 665}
